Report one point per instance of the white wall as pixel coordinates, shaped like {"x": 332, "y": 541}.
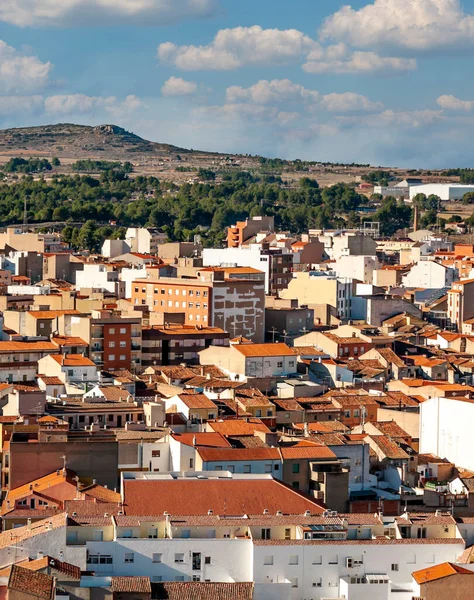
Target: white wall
{"x": 446, "y": 430}
{"x": 428, "y": 274}
{"x": 240, "y": 257}
{"x": 326, "y": 561}
{"x": 356, "y": 267}
{"x": 231, "y": 559}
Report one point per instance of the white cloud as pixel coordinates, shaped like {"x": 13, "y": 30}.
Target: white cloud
{"x": 408, "y": 24}
{"x": 177, "y": 86}
{"x": 33, "y": 13}
{"x": 21, "y": 73}
{"x": 349, "y": 102}
{"x": 453, "y": 103}
{"x": 238, "y": 47}
{"x": 81, "y": 104}
{"x": 238, "y": 111}
{"x": 415, "y": 119}
{"x": 266, "y": 92}
{"x": 339, "y": 59}
{"x": 12, "y": 105}
{"x": 285, "y": 91}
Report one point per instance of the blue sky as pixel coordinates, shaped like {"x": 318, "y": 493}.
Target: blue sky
{"x": 383, "y": 81}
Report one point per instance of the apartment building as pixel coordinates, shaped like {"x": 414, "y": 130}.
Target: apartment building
{"x": 18, "y": 360}
{"x": 317, "y": 289}
{"x": 144, "y": 240}
{"x": 230, "y": 299}
{"x": 173, "y": 344}
{"x": 243, "y": 359}
{"x": 39, "y": 323}
{"x": 243, "y": 231}
{"x": 100, "y": 277}
{"x": 70, "y": 368}
{"x": 276, "y": 263}
{"x": 461, "y": 302}
{"x": 115, "y": 342}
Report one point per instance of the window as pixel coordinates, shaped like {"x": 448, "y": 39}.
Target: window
{"x": 111, "y": 357}
{"x": 196, "y": 578}
{"x": 191, "y": 292}
{"x": 123, "y": 330}
{"x": 198, "y": 293}
{"x": 231, "y": 468}
{"x": 170, "y": 303}
{"x": 98, "y": 535}
{"x": 296, "y": 485}
{"x": 266, "y": 534}
{"x": 207, "y": 560}
{"x": 127, "y": 533}
{"x": 296, "y": 468}
{"x": 198, "y": 305}
{"x": 394, "y": 567}
{"x": 123, "y": 357}
{"x": 129, "y": 557}
{"x": 190, "y": 305}
{"x": 179, "y": 558}
{"x": 247, "y": 468}
{"x": 258, "y": 413}
{"x": 293, "y": 560}
{"x": 268, "y": 560}
{"x": 112, "y": 329}
{"x": 157, "y": 557}
{"x": 186, "y": 533}
{"x": 268, "y": 468}
{"x": 291, "y": 363}
{"x": 153, "y": 533}
{"x": 280, "y": 364}
{"x": 183, "y": 293}
{"x": 191, "y": 463}
{"x": 123, "y": 344}
{"x": 347, "y": 414}
{"x": 155, "y": 453}
{"x": 176, "y": 292}
{"x": 287, "y": 534}
{"x": 183, "y": 304}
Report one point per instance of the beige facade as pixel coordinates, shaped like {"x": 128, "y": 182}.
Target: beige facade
{"x": 461, "y": 302}
{"x": 15, "y": 238}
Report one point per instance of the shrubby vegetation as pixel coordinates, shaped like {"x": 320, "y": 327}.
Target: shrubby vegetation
{"x": 96, "y": 166}
{"x": 27, "y": 165}
{"x": 97, "y": 207}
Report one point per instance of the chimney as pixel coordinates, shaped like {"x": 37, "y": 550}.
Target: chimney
{"x": 28, "y": 524}
{"x": 415, "y": 218}
{"x": 194, "y": 441}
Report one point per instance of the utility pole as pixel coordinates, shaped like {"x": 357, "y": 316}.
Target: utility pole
{"x": 273, "y": 331}
{"x": 25, "y": 215}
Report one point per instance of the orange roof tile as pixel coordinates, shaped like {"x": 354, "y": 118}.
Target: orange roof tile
{"x": 222, "y": 496}
{"x": 32, "y": 583}
{"x": 238, "y": 454}
{"x": 230, "y": 427}
{"x": 73, "y": 360}
{"x": 51, "y": 314}
{"x": 277, "y": 349}
{"x": 440, "y": 571}
{"x": 309, "y": 452}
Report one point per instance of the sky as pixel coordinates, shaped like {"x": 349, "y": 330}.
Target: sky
{"x": 385, "y": 82}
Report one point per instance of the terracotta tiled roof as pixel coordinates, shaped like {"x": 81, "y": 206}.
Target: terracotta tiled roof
{"x": 192, "y": 590}
{"x": 25, "y": 581}
{"x": 222, "y": 496}
{"x": 238, "y": 454}
{"x": 238, "y": 427}
{"x": 115, "y": 394}
{"x": 391, "y": 428}
{"x": 439, "y": 572}
{"x": 101, "y": 493}
{"x": 203, "y": 440}
{"x": 27, "y": 347}
{"x": 51, "y": 314}
{"x": 278, "y": 349}
{"x": 195, "y": 401}
{"x": 137, "y": 585}
{"x": 307, "y": 452}
{"x": 66, "y": 340}
{"x": 41, "y": 484}
{"x": 390, "y": 356}
{"x": 50, "y": 380}
{"x": 388, "y": 447}
{"x": 73, "y": 360}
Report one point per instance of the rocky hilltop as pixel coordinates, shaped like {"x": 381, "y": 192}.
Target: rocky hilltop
{"x": 106, "y": 141}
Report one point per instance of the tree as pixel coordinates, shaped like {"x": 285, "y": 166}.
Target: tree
{"x": 393, "y": 216}
{"x": 468, "y": 198}
{"x": 206, "y": 175}
{"x": 55, "y": 162}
